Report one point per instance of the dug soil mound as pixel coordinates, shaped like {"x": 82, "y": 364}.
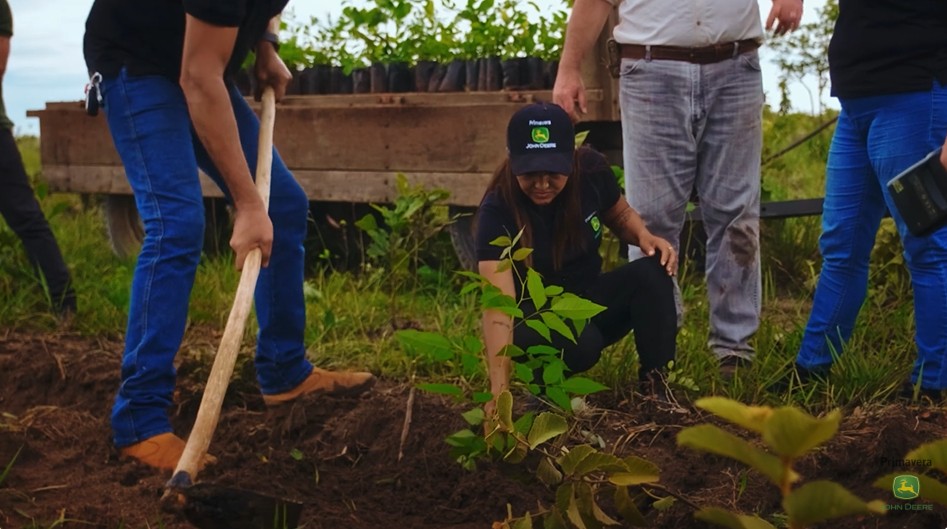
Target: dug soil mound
{"x": 344, "y": 460}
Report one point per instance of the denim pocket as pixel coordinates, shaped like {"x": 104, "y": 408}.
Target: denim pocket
{"x": 630, "y": 66}
{"x": 751, "y": 61}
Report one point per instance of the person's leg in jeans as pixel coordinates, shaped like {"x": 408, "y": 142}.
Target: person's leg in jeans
{"x": 281, "y": 311}
{"x": 669, "y": 139}
{"x": 876, "y": 138}
{"x": 22, "y": 212}
{"x": 150, "y": 125}
{"x": 730, "y": 140}
{"x": 659, "y": 146}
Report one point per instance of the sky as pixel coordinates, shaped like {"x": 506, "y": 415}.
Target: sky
{"x": 46, "y": 61}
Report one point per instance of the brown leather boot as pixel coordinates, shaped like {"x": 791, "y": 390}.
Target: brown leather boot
{"x": 162, "y": 452}
{"x": 322, "y": 382}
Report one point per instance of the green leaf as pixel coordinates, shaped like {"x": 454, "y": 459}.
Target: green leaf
{"x": 555, "y": 323}
{"x": 553, "y": 373}
{"x": 547, "y": 472}
{"x": 570, "y": 461}
{"x": 505, "y": 410}
{"x": 599, "y": 462}
{"x": 664, "y": 503}
{"x": 540, "y": 328}
{"x": 627, "y": 509}
{"x": 818, "y": 501}
{"x": 523, "y": 372}
{"x": 525, "y": 522}
{"x": 367, "y": 223}
{"x": 559, "y": 398}
{"x": 575, "y": 308}
{"x": 580, "y": 138}
{"x": 724, "y": 518}
{"x": 524, "y": 423}
{"x": 295, "y": 453}
{"x": 481, "y": 397}
{"x": 588, "y": 505}
{"x": 545, "y": 427}
{"x": 539, "y": 350}
{"x": 935, "y": 451}
{"x": 534, "y": 286}
{"x": 573, "y": 513}
{"x": 504, "y": 265}
{"x": 9, "y": 467}
{"x": 461, "y": 439}
{"x": 791, "y": 432}
{"x": 637, "y": 471}
{"x": 582, "y": 386}
{"x": 750, "y": 417}
{"x": 554, "y": 520}
{"x": 709, "y": 438}
{"x": 474, "y": 417}
{"x": 442, "y": 389}
{"x": 521, "y": 254}
{"x": 502, "y": 241}
{"x": 429, "y": 344}
{"x": 554, "y": 290}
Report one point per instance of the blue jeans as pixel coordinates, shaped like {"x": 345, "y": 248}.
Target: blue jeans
{"x": 875, "y": 139}
{"x": 149, "y": 122}
{"x": 690, "y": 126}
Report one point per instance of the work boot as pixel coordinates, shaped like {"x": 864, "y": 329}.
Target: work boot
{"x": 162, "y": 452}
{"x": 323, "y": 382}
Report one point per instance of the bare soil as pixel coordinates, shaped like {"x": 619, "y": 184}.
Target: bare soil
{"x": 339, "y": 456}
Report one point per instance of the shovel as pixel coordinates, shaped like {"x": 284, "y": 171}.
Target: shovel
{"x": 210, "y": 506}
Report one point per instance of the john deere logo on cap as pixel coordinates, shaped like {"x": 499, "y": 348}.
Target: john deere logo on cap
{"x": 906, "y": 487}
{"x": 540, "y": 134}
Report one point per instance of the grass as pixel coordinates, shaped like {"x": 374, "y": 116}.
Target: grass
{"x": 352, "y": 317}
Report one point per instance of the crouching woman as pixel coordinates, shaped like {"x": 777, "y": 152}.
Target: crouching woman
{"x": 561, "y": 198}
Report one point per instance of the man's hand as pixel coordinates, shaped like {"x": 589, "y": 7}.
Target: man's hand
{"x": 270, "y": 70}
{"x": 252, "y": 228}
{"x": 943, "y": 155}
{"x": 787, "y": 13}
{"x": 650, "y": 244}
{"x": 568, "y": 91}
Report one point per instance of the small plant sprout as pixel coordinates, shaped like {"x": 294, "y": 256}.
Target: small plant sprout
{"x": 788, "y": 433}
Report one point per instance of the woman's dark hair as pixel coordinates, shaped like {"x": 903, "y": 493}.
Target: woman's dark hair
{"x": 568, "y": 204}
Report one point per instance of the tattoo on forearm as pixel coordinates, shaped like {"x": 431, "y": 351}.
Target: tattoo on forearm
{"x": 625, "y": 232}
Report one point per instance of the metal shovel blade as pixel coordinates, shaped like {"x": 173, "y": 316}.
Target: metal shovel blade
{"x": 209, "y": 506}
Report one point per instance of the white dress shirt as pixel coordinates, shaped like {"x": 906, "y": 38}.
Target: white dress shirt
{"x": 687, "y": 23}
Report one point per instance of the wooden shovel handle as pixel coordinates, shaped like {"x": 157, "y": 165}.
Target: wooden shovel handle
{"x": 209, "y": 412}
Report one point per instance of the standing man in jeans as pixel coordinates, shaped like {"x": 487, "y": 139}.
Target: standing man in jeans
{"x": 691, "y": 101}
{"x": 18, "y": 204}
{"x": 166, "y": 70}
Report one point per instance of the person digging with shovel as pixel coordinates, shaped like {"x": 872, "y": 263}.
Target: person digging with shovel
{"x": 163, "y": 72}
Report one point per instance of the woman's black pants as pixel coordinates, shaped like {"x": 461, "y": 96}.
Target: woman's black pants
{"x": 21, "y": 211}
{"x": 639, "y": 297}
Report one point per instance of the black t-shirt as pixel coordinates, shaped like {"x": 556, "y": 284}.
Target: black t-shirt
{"x": 884, "y": 47}
{"x": 599, "y": 192}
{"x": 147, "y": 36}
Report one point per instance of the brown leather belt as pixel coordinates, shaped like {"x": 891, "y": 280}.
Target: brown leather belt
{"x": 704, "y": 55}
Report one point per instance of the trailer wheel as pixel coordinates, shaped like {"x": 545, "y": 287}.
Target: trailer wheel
{"x": 126, "y": 232}
{"x": 462, "y": 236}
{"x": 123, "y": 225}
